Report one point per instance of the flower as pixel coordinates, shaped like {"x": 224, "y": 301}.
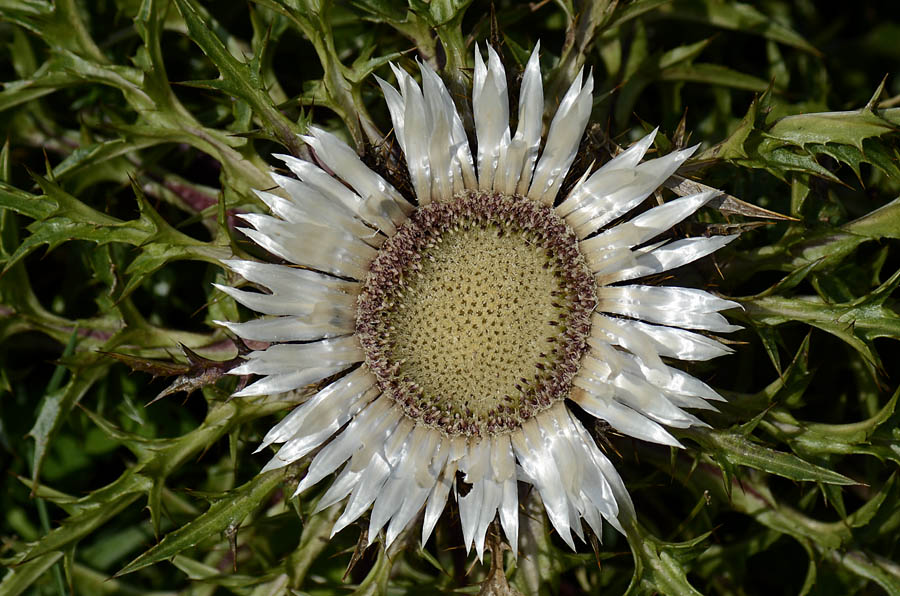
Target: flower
{"x": 461, "y": 325}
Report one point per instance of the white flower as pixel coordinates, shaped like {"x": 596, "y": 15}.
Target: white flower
{"x": 460, "y": 324}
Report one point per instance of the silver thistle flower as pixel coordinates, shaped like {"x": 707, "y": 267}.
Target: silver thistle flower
{"x": 463, "y": 325}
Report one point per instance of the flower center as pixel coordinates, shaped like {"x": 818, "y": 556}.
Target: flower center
{"x": 476, "y": 313}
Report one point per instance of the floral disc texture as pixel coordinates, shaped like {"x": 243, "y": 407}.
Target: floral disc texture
{"x": 458, "y": 324}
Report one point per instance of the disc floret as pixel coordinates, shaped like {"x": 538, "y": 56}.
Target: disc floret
{"x": 475, "y": 315}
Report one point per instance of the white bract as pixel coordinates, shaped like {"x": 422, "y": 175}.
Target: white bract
{"x": 399, "y": 454}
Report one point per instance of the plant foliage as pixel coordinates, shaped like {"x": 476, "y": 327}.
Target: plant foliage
{"x": 136, "y": 130}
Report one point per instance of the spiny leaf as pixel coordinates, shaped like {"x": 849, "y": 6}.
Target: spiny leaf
{"x": 58, "y": 24}
{"x": 733, "y": 146}
{"x": 64, "y": 218}
{"x": 882, "y": 571}
{"x": 25, "y": 203}
{"x": 197, "y": 373}
{"x": 817, "y": 250}
{"x": 735, "y": 448}
{"x": 652, "y": 67}
{"x": 788, "y": 390}
{"x": 827, "y": 439}
{"x": 659, "y": 566}
{"x": 229, "y": 511}
{"x": 62, "y": 500}
{"x": 88, "y": 156}
{"x": 20, "y": 577}
{"x": 714, "y": 74}
{"x": 157, "y": 368}
{"x": 49, "y": 78}
{"x": 751, "y": 495}
{"x": 792, "y": 143}
{"x": 339, "y": 88}
{"x": 95, "y": 510}
{"x": 840, "y": 128}
{"x": 241, "y": 79}
{"x": 212, "y": 576}
{"x": 141, "y": 446}
{"x": 857, "y": 323}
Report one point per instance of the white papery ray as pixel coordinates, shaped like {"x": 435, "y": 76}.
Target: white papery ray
{"x": 379, "y": 210}
{"x": 334, "y": 396}
{"x": 490, "y": 106}
{"x": 280, "y": 304}
{"x": 290, "y": 283}
{"x": 272, "y": 360}
{"x": 664, "y": 258}
{"x": 637, "y": 399}
{"x": 490, "y": 467}
{"x": 563, "y": 139}
{"x": 424, "y": 121}
{"x": 554, "y": 461}
{"x": 323, "y": 321}
{"x": 412, "y": 131}
{"x": 316, "y": 421}
{"x": 457, "y": 172}
{"x": 307, "y": 205}
{"x": 332, "y": 220}
{"x": 609, "y": 254}
{"x": 318, "y": 247}
{"x": 339, "y": 157}
{"x": 325, "y": 308}
{"x": 614, "y": 191}
{"x": 645, "y": 226}
{"x": 678, "y": 307}
{"x": 521, "y": 155}
{"x": 665, "y": 341}
{"x": 623, "y": 379}
{"x": 623, "y": 162}
{"x": 288, "y": 366}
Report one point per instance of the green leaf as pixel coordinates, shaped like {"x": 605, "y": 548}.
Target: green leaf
{"x": 581, "y": 28}
{"x": 882, "y": 571}
{"x": 817, "y": 439}
{"x": 142, "y": 447}
{"x": 58, "y": 24}
{"x": 20, "y": 577}
{"x": 660, "y": 566}
{"x": 56, "y": 405}
{"x": 735, "y": 16}
{"x": 714, "y": 74}
{"x": 25, "y": 203}
{"x": 737, "y": 449}
{"x": 792, "y": 143}
{"x": 857, "y": 323}
{"x": 64, "y": 218}
{"x": 805, "y": 252}
{"x": 241, "y": 79}
{"x": 49, "y": 78}
{"x": 751, "y": 495}
{"x": 789, "y": 389}
{"x": 226, "y": 513}
{"x": 644, "y": 68}
{"x": 840, "y": 128}
{"x": 94, "y": 510}
{"x": 210, "y": 575}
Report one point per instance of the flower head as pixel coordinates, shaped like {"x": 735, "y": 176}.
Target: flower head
{"x": 461, "y": 322}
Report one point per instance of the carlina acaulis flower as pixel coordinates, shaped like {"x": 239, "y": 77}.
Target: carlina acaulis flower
{"x": 459, "y": 326}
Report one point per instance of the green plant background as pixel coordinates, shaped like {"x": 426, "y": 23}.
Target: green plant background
{"x": 135, "y": 130}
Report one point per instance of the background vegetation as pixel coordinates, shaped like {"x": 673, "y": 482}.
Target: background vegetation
{"x": 135, "y": 129}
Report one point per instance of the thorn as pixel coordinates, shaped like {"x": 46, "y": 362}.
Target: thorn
{"x": 873, "y": 102}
